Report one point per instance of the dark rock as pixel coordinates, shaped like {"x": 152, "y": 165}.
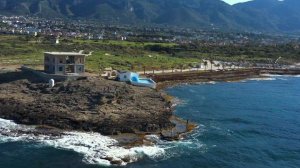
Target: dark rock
{"x": 98, "y": 105}
{"x": 126, "y": 159}
{"x": 116, "y": 162}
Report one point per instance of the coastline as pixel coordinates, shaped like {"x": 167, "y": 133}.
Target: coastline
{"x": 168, "y": 80}
{"x": 173, "y": 79}
{"x": 126, "y": 138}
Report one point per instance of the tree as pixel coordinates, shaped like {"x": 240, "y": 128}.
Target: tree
{"x": 190, "y": 66}
{"x": 211, "y": 63}
{"x": 173, "y": 67}
{"x": 181, "y": 66}
{"x": 223, "y": 65}
{"x": 163, "y": 67}
{"x": 101, "y": 68}
{"x": 144, "y": 68}
{"x": 205, "y": 64}
{"x": 132, "y": 67}
{"x": 198, "y": 66}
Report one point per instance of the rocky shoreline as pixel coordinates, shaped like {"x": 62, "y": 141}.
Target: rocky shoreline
{"x": 126, "y": 113}
{"x": 123, "y": 112}
{"x": 173, "y": 79}
{"x": 97, "y": 105}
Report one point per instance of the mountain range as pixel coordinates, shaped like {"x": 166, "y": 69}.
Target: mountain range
{"x": 256, "y": 15}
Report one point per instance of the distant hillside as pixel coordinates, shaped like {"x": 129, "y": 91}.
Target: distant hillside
{"x": 273, "y": 14}
{"x": 258, "y": 15}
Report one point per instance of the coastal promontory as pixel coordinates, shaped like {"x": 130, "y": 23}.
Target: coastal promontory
{"x": 91, "y": 104}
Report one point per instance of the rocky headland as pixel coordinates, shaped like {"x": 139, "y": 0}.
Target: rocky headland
{"x": 92, "y": 104}
{"x": 124, "y": 112}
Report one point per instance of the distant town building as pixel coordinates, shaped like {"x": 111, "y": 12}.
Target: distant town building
{"x": 64, "y": 63}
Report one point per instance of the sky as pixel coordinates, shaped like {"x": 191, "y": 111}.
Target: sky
{"x": 235, "y": 1}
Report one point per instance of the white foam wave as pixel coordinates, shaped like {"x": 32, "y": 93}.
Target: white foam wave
{"x": 258, "y": 79}
{"x": 7, "y": 125}
{"x": 282, "y": 79}
{"x": 212, "y": 82}
{"x": 179, "y": 102}
{"x": 271, "y": 75}
{"x": 185, "y": 146}
{"x": 262, "y": 79}
{"x": 203, "y": 83}
{"x": 176, "y": 101}
{"x": 95, "y": 148}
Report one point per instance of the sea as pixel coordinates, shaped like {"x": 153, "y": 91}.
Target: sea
{"x": 253, "y": 123}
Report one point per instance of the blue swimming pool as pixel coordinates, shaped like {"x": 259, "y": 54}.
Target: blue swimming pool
{"x": 145, "y": 81}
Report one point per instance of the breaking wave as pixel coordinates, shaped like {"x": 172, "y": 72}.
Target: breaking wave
{"x": 272, "y": 75}
{"x": 95, "y": 148}
{"x": 265, "y": 78}
{"x": 262, "y": 79}
{"x": 203, "y": 83}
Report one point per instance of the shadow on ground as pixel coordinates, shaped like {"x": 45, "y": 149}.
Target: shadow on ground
{"x": 11, "y": 76}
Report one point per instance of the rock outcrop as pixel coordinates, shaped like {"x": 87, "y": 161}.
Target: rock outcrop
{"x": 98, "y": 105}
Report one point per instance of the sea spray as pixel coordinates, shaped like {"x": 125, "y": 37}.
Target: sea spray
{"x": 95, "y": 148}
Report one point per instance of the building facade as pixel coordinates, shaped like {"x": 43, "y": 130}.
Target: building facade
{"x": 125, "y": 76}
{"x": 64, "y": 63}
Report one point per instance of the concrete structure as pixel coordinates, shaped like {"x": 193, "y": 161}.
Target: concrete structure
{"x": 134, "y": 79}
{"x": 125, "y": 76}
{"x": 64, "y": 63}
{"x": 45, "y": 77}
{"x": 109, "y": 73}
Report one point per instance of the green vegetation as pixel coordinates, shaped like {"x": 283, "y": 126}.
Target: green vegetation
{"x": 140, "y": 56}
{"x": 117, "y": 54}
{"x": 123, "y": 43}
{"x": 253, "y": 53}
{"x": 149, "y": 62}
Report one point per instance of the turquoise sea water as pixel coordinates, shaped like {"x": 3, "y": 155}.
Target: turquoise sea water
{"x": 247, "y": 124}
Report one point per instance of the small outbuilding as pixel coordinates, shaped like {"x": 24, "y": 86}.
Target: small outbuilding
{"x": 134, "y": 79}
{"x": 126, "y": 76}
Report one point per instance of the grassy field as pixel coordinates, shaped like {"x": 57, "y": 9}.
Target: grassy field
{"x": 122, "y": 43}
{"x": 117, "y": 54}
{"x": 149, "y": 62}
{"x": 126, "y": 55}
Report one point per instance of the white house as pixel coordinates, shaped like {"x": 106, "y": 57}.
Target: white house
{"x": 126, "y": 76}
{"x": 134, "y": 79}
